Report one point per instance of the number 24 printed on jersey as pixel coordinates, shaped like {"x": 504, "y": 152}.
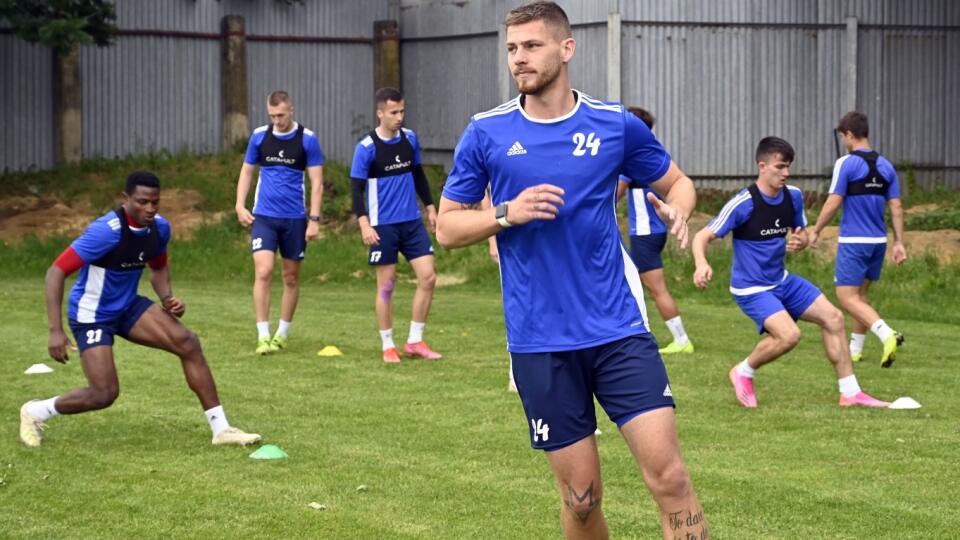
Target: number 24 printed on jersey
{"x": 586, "y": 142}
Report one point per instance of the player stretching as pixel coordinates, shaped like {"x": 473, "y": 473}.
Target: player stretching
{"x": 648, "y": 236}
{"x": 111, "y": 255}
{"x": 283, "y": 150}
{"x": 572, "y": 299}
{"x": 863, "y": 182}
{"x": 386, "y": 177}
{"x": 760, "y": 218}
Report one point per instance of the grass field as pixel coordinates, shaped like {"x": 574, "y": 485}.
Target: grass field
{"x": 443, "y": 448}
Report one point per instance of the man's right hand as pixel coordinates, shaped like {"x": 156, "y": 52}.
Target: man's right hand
{"x": 244, "y": 216}
{"x": 57, "y": 346}
{"x": 369, "y": 235}
{"x": 536, "y": 202}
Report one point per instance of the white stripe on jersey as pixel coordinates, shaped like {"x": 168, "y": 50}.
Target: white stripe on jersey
{"x": 836, "y": 173}
{"x": 803, "y": 212}
{"x": 642, "y": 223}
{"x": 498, "y": 108}
{"x": 307, "y": 131}
{"x": 760, "y": 288}
{"x": 514, "y": 105}
{"x": 636, "y": 287}
{"x": 114, "y": 224}
{"x": 256, "y": 192}
{"x": 599, "y": 105}
{"x": 366, "y": 141}
{"x": 717, "y": 223}
{"x": 90, "y": 301}
{"x": 261, "y": 129}
{"x": 373, "y": 205}
{"x": 862, "y": 240}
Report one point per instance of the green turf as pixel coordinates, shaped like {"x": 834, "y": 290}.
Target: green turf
{"x": 443, "y": 448}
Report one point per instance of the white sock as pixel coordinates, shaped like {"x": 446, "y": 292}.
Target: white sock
{"x": 386, "y": 336}
{"x": 217, "y": 419}
{"x": 284, "y": 328}
{"x": 881, "y": 330}
{"x": 416, "y": 332}
{"x": 849, "y": 386}
{"x": 676, "y": 328}
{"x": 743, "y": 368}
{"x": 263, "y": 329}
{"x": 44, "y": 409}
{"x": 856, "y": 343}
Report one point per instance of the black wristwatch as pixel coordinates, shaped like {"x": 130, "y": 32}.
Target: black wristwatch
{"x": 501, "y": 215}
{"x": 314, "y": 218}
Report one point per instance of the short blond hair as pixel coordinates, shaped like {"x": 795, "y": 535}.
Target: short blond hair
{"x": 550, "y": 13}
{"x": 277, "y": 97}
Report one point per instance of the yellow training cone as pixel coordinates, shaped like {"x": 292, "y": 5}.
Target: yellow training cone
{"x": 330, "y": 350}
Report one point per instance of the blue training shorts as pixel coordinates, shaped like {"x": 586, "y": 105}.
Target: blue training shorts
{"x": 627, "y": 376}
{"x": 645, "y": 251}
{"x": 88, "y": 335}
{"x": 793, "y": 294}
{"x": 289, "y": 235}
{"x": 858, "y": 262}
{"x": 407, "y": 237}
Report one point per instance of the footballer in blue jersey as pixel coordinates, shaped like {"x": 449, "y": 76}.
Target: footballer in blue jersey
{"x": 285, "y": 152}
{"x": 387, "y": 178}
{"x": 111, "y": 255}
{"x": 864, "y": 183}
{"x": 760, "y": 219}
{"x": 572, "y": 298}
{"x": 648, "y": 237}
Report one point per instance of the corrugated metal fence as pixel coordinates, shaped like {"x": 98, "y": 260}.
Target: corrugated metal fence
{"x": 718, "y": 74}
{"x": 158, "y": 86}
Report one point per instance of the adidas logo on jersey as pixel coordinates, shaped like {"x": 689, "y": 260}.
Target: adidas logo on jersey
{"x": 516, "y": 149}
{"x": 667, "y": 392}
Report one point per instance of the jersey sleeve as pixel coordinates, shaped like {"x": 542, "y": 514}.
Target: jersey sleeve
{"x": 469, "y": 178}
{"x": 735, "y": 213}
{"x": 415, "y": 143}
{"x": 95, "y": 242}
{"x": 893, "y": 192}
{"x": 645, "y": 160}
{"x": 311, "y": 145}
{"x": 799, "y": 213}
{"x": 362, "y": 157}
{"x": 838, "y": 184}
{"x": 252, "y": 156}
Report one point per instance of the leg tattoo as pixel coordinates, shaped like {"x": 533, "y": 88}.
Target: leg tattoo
{"x": 573, "y": 499}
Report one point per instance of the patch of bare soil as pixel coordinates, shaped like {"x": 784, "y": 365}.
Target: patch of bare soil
{"x": 22, "y": 216}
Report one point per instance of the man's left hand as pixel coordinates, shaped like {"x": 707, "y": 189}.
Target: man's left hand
{"x": 174, "y": 306}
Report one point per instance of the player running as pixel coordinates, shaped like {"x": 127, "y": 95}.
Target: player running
{"x": 760, "y": 217}
{"x": 863, "y": 183}
{"x": 284, "y": 150}
{"x": 387, "y": 177}
{"x": 648, "y": 236}
{"x": 573, "y": 302}
{"x": 104, "y": 303}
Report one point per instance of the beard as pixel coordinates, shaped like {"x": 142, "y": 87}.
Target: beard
{"x": 543, "y": 80}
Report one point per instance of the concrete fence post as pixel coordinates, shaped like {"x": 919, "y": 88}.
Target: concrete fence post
{"x": 68, "y": 113}
{"x": 233, "y": 81}
{"x": 386, "y": 54}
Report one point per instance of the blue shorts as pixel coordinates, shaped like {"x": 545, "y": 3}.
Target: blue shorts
{"x": 858, "y": 262}
{"x": 99, "y": 333}
{"x": 287, "y": 234}
{"x": 407, "y": 237}
{"x": 794, "y": 295}
{"x": 557, "y": 389}
{"x": 645, "y": 251}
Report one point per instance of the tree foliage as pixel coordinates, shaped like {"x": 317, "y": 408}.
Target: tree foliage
{"x": 61, "y": 24}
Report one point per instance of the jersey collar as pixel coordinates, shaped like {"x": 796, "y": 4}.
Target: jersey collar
{"x": 573, "y": 111}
